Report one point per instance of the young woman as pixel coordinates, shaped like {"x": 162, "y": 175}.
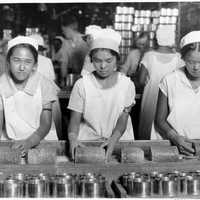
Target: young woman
{"x": 26, "y": 97}
{"x": 154, "y": 66}
{"x": 100, "y": 102}
{"x": 178, "y": 109}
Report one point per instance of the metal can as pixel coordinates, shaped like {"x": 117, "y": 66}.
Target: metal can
{"x": 93, "y": 186}
{"x": 130, "y": 18}
{"x": 35, "y": 187}
{"x": 169, "y": 12}
{"x": 131, "y": 10}
{"x": 137, "y": 13}
{"x": 163, "y": 11}
{"x": 175, "y": 12}
{"x": 64, "y": 186}
{"x": 124, "y": 180}
{"x": 118, "y": 9}
{"x": 169, "y": 186}
{"x": 193, "y": 185}
{"x": 124, "y": 10}
{"x": 173, "y": 20}
{"x": 13, "y": 188}
{"x": 183, "y": 183}
{"x": 141, "y": 187}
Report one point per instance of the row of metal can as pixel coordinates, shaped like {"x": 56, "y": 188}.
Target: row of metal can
{"x": 145, "y": 20}
{"x": 147, "y": 13}
{"x": 44, "y": 185}
{"x": 124, "y": 27}
{"x": 174, "y": 184}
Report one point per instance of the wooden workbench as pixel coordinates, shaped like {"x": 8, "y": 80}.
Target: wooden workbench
{"x": 111, "y": 170}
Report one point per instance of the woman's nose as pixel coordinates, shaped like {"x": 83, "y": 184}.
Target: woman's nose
{"x": 22, "y": 66}
{"x": 197, "y": 65}
{"x": 103, "y": 65}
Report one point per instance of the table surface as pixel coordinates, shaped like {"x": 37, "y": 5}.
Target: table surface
{"x": 111, "y": 170}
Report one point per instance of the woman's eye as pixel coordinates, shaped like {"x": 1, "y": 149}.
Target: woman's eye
{"x": 109, "y": 61}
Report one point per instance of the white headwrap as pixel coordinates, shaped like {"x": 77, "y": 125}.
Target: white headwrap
{"x": 22, "y": 40}
{"x": 38, "y": 38}
{"x": 107, "y": 38}
{"x": 165, "y": 35}
{"x": 189, "y": 38}
{"x": 92, "y": 30}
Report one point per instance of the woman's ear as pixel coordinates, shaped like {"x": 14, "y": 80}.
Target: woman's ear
{"x": 35, "y": 66}
{"x": 7, "y": 66}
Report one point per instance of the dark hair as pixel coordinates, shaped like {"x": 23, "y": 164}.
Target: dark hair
{"x": 66, "y": 20}
{"x": 190, "y": 47}
{"x": 141, "y": 35}
{"x": 114, "y": 53}
{"x": 28, "y": 46}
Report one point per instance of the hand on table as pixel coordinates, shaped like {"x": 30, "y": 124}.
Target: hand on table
{"x": 22, "y": 145}
{"x": 110, "y": 144}
{"x": 184, "y": 145}
{"x": 74, "y": 143}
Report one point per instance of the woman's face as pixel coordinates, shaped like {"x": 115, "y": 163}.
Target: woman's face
{"x": 21, "y": 64}
{"x": 192, "y": 61}
{"x": 104, "y": 62}
{"x": 142, "y": 43}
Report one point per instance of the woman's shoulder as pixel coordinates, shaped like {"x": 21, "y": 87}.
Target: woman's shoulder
{"x": 149, "y": 54}
{"x": 173, "y": 76}
{"x": 125, "y": 79}
{"x": 134, "y": 52}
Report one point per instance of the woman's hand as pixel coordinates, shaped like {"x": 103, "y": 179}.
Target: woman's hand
{"x": 74, "y": 143}
{"x": 22, "y": 145}
{"x": 110, "y": 144}
{"x": 184, "y": 144}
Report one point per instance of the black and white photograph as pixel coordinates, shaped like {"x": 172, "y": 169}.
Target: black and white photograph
{"x": 100, "y": 99}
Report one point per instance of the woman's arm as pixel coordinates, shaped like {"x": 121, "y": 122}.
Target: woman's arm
{"x": 131, "y": 64}
{"x": 74, "y": 123}
{"x": 40, "y": 133}
{"x": 73, "y": 130}
{"x": 118, "y": 131}
{"x": 143, "y": 76}
{"x": 1, "y": 122}
{"x": 162, "y": 113}
{"x": 164, "y": 128}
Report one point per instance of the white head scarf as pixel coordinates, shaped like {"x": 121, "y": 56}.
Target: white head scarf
{"x": 38, "y": 38}
{"x": 93, "y": 30}
{"x": 189, "y": 38}
{"x": 107, "y": 38}
{"x": 22, "y": 40}
{"x": 165, "y": 35}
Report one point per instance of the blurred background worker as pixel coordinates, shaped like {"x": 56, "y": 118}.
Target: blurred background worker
{"x": 45, "y": 67}
{"x": 58, "y": 56}
{"x": 74, "y": 47}
{"x": 3, "y": 49}
{"x": 154, "y": 66}
{"x": 91, "y": 32}
{"x": 140, "y": 46}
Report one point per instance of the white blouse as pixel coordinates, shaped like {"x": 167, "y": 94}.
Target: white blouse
{"x": 184, "y": 104}
{"x": 101, "y": 108}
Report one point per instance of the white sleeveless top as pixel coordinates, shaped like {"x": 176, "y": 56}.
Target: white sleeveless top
{"x": 102, "y": 107}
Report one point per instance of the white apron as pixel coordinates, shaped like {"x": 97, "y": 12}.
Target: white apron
{"x": 102, "y": 109}
{"x": 22, "y": 115}
{"x": 150, "y": 95}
